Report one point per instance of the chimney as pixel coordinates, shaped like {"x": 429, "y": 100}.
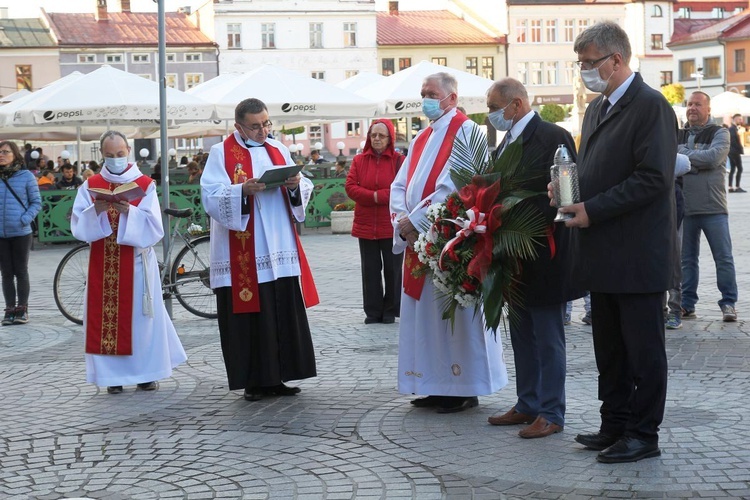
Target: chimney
{"x": 393, "y": 8}
{"x": 125, "y": 5}
{"x": 101, "y": 11}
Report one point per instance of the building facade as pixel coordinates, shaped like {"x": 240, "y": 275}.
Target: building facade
{"x": 28, "y": 56}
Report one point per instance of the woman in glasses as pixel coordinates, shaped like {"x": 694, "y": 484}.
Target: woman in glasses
{"x": 369, "y": 185}
{"x": 19, "y": 203}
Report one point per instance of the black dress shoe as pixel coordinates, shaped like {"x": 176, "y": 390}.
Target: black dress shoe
{"x": 369, "y": 320}
{"x": 281, "y": 390}
{"x": 148, "y": 386}
{"x": 253, "y": 394}
{"x": 597, "y": 441}
{"x": 114, "y": 389}
{"x": 628, "y": 449}
{"x": 389, "y": 321}
{"x": 457, "y": 404}
{"x": 427, "y": 402}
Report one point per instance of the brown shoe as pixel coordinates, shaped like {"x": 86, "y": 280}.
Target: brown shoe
{"x": 512, "y": 417}
{"x": 539, "y": 428}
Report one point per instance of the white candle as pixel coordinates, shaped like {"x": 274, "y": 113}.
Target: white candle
{"x": 566, "y": 191}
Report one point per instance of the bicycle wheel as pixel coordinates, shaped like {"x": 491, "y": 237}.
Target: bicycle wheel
{"x": 69, "y": 286}
{"x": 190, "y": 278}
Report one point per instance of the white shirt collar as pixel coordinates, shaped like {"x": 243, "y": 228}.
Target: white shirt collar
{"x": 620, "y": 91}
{"x": 517, "y": 129}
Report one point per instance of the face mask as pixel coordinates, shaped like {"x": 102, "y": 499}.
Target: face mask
{"x": 499, "y": 121}
{"x": 593, "y": 81}
{"x": 431, "y": 107}
{"x": 116, "y": 165}
{"x": 253, "y": 144}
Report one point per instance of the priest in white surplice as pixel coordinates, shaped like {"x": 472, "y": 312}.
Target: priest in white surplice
{"x": 258, "y": 267}
{"x": 450, "y": 367}
{"x": 129, "y": 336}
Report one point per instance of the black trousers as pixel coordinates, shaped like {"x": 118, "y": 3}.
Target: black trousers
{"x": 735, "y": 165}
{"x": 14, "y": 267}
{"x": 379, "y": 265}
{"x": 631, "y": 357}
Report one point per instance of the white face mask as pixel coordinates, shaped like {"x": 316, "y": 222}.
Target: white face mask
{"x": 498, "y": 120}
{"x": 593, "y": 80}
{"x": 116, "y": 165}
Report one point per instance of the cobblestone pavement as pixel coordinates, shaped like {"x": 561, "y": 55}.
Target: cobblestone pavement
{"x": 349, "y": 434}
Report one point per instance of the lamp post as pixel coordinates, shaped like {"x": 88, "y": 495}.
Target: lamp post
{"x": 143, "y": 154}
{"x": 293, "y": 152}
{"x": 65, "y": 157}
{"x": 35, "y": 157}
{"x": 698, "y": 75}
{"x": 172, "y": 158}
{"x": 341, "y": 157}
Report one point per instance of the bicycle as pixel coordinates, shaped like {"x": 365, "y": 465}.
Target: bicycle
{"x": 187, "y": 279}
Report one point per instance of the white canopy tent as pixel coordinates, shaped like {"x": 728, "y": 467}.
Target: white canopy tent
{"x": 728, "y": 104}
{"x": 360, "y": 80}
{"x": 15, "y": 95}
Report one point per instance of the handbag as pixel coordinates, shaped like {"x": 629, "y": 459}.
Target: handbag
{"x": 34, "y": 225}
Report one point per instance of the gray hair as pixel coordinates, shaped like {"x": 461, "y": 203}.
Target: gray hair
{"x": 252, "y": 106}
{"x": 446, "y": 81}
{"x": 111, "y": 134}
{"x": 509, "y": 88}
{"x": 606, "y": 36}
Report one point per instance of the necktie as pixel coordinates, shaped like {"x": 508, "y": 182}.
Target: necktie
{"x": 506, "y": 140}
{"x": 603, "y": 107}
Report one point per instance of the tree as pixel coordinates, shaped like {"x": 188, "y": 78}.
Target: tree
{"x": 674, "y": 93}
{"x": 552, "y": 113}
{"x": 293, "y": 132}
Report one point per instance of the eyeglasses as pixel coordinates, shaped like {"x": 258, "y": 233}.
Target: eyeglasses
{"x": 258, "y": 127}
{"x": 378, "y": 136}
{"x": 5, "y": 152}
{"x": 592, "y": 64}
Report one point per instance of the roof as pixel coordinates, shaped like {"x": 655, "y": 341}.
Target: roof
{"x": 21, "y": 33}
{"x": 708, "y": 5}
{"x": 687, "y": 31}
{"x": 565, "y": 2}
{"x": 684, "y": 29}
{"x": 430, "y": 27}
{"x": 124, "y": 28}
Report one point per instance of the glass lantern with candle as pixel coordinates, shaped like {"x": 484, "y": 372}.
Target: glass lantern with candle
{"x": 564, "y": 174}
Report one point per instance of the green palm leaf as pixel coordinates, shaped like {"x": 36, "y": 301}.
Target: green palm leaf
{"x": 518, "y": 238}
{"x": 469, "y": 156}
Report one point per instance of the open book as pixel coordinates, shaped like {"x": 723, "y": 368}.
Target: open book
{"x": 124, "y": 192}
{"x": 275, "y": 177}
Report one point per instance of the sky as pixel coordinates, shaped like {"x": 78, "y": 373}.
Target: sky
{"x": 30, "y": 8}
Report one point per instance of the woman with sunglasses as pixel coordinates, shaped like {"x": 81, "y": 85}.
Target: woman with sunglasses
{"x": 19, "y": 203}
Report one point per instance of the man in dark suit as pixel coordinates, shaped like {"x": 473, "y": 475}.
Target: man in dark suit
{"x": 538, "y": 337}
{"x": 627, "y": 241}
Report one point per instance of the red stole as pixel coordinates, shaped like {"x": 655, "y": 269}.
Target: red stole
{"x": 109, "y": 299}
{"x": 245, "y": 297}
{"x": 413, "y": 285}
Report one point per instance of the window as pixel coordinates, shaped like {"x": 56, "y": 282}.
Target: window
{"x": 684, "y": 12}
{"x": 717, "y": 13}
{"x": 536, "y": 31}
{"x": 316, "y": 35}
{"x": 739, "y": 60}
{"x": 171, "y": 80}
{"x": 442, "y": 61}
{"x": 171, "y": 57}
{"x": 488, "y": 67}
{"x": 666, "y": 78}
{"x": 569, "y": 30}
{"x": 141, "y": 58}
{"x": 387, "y": 66}
{"x": 315, "y": 133}
{"x": 570, "y": 73}
{"x": 552, "y": 72}
{"x": 403, "y": 63}
{"x": 268, "y": 36}
{"x": 234, "y": 36}
{"x": 114, "y": 58}
{"x": 582, "y": 25}
{"x": 551, "y": 31}
{"x": 471, "y": 65}
{"x": 656, "y": 11}
{"x": 86, "y": 58}
{"x": 687, "y": 70}
{"x": 350, "y": 73}
{"x": 193, "y": 57}
{"x": 147, "y": 76}
{"x": 23, "y": 77}
{"x": 318, "y": 75}
{"x": 350, "y": 34}
{"x": 193, "y": 79}
{"x": 522, "y": 28}
{"x": 657, "y": 42}
{"x": 353, "y": 129}
{"x": 711, "y": 67}
{"x": 522, "y": 72}
{"x": 536, "y": 73}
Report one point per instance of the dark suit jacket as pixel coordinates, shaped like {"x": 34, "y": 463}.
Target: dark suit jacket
{"x": 626, "y": 172}
{"x": 546, "y": 280}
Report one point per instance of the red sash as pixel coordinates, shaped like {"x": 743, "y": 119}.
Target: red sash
{"x": 109, "y": 300}
{"x": 413, "y": 285}
{"x": 245, "y": 298}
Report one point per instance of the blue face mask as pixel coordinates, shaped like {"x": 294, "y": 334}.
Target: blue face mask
{"x": 498, "y": 120}
{"x": 253, "y": 144}
{"x": 116, "y": 165}
{"x": 431, "y": 107}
